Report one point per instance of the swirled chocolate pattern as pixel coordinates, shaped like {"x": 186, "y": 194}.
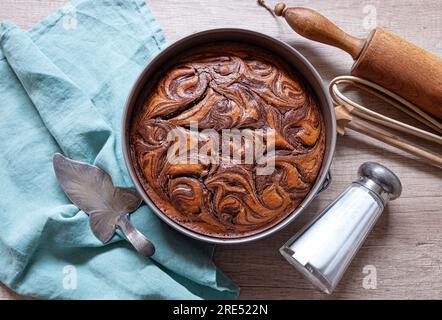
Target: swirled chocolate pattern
{"x": 228, "y": 86}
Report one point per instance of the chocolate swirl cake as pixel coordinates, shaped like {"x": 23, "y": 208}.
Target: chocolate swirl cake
{"x": 228, "y": 86}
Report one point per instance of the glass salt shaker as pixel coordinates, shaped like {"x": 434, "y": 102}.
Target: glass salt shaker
{"x": 323, "y": 250}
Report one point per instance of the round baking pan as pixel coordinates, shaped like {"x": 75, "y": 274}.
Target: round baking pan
{"x": 149, "y": 77}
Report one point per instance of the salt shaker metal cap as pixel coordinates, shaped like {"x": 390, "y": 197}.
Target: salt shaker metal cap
{"x": 380, "y": 180}
{"x": 323, "y": 250}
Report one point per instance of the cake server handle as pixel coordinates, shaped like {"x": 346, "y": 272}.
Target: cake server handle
{"x": 143, "y": 246}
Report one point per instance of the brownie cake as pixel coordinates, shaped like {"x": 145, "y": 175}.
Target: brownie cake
{"x": 227, "y": 86}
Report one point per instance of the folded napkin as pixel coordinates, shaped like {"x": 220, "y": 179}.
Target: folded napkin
{"x": 63, "y": 85}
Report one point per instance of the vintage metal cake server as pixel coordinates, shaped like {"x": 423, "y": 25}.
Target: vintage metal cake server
{"x": 91, "y": 189}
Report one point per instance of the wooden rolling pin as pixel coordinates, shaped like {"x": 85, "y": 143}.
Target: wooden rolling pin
{"x": 383, "y": 58}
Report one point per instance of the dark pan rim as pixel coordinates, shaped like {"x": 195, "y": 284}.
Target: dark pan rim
{"x": 310, "y": 75}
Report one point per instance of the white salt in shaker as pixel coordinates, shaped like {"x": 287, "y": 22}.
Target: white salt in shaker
{"x": 323, "y": 250}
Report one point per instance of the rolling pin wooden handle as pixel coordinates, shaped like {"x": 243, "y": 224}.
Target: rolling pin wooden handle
{"x": 314, "y": 26}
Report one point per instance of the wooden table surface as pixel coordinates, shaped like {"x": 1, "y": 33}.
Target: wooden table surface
{"x": 405, "y": 247}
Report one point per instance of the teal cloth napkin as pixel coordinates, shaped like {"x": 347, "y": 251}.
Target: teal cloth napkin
{"x": 63, "y": 85}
